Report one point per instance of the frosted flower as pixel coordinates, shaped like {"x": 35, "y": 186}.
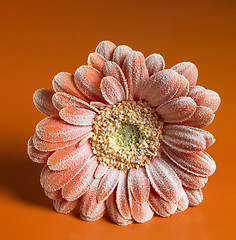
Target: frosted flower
{"x": 123, "y": 135}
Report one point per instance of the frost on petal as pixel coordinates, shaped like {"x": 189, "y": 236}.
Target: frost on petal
{"x": 183, "y": 138}
{"x": 77, "y": 116}
{"x": 155, "y": 63}
{"x": 113, "y": 69}
{"x": 43, "y": 101}
{"x": 182, "y": 203}
{"x": 140, "y": 212}
{"x": 106, "y": 49}
{"x": 199, "y": 163}
{"x": 187, "y": 178}
{"x": 136, "y": 73}
{"x": 36, "y": 155}
{"x": 112, "y": 90}
{"x": 88, "y": 79}
{"x": 108, "y": 184}
{"x": 81, "y": 182}
{"x": 114, "y": 213}
{"x": 184, "y": 86}
{"x": 177, "y": 109}
{"x": 187, "y": 69}
{"x": 54, "y": 195}
{"x": 64, "y": 82}
{"x": 161, "y": 87}
{"x": 101, "y": 170}
{"x": 160, "y": 206}
{"x": 120, "y": 53}
{"x": 195, "y": 196}
{"x": 45, "y": 146}
{"x": 202, "y": 117}
{"x": 90, "y": 209}
{"x": 62, "y": 100}
{"x": 139, "y": 184}
{"x": 53, "y": 129}
{"x": 63, "y": 206}
{"x": 164, "y": 180}
{"x": 70, "y": 157}
{"x": 96, "y": 60}
{"x": 54, "y": 180}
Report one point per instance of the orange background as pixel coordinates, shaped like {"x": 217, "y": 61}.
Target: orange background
{"x": 40, "y": 39}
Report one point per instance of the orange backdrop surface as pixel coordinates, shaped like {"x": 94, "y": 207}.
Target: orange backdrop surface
{"x": 41, "y": 38}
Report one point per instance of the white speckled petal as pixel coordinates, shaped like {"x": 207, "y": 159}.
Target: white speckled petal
{"x": 64, "y": 82}
{"x": 63, "y": 206}
{"x": 87, "y": 80}
{"x": 112, "y": 90}
{"x": 120, "y": 53}
{"x": 106, "y": 49}
{"x": 96, "y": 60}
{"x": 155, "y": 63}
{"x": 108, "y": 184}
{"x": 184, "y": 86}
{"x": 139, "y": 184}
{"x": 81, "y": 182}
{"x": 164, "y": 180}
{"x": 182, "y": 203}
{"x": 187, "y": 69}
{"x": 177, "y": 109}
{"x": 43, "y": 101}
{"x": 77, "y": 116}
{"x": 195, "y": 196}
{"x": 101, "y": 170}
{"x": 54, "y": 195}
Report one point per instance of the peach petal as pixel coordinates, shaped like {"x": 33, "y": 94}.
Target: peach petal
{"x": 90, "y": 209}
{"x": 81, "y": 182}
{"x": 106, "y": 49}
{"x": 199, "y": 163}
{"x": 87, "y": 80}
{"x": 113, "y": 69}
{"x": 195, "y": 196}
{"x": 187, "y": 69}
{"x": 55, "y": 195}
{"x": 100, "y": 171}
{"x": 96, "y": 60}
{"x": 36, "y": 155}
{"x": 160, "y": 206}
{"x": 114, "y": 213}
{"x": 64, "y": 82}
{"x": 112, "y": 90}
{"x": 70, "y": 157}
{"x": 183, "y": 138}
{"x": 54, "y": 180}
{"x": 108, "y": 184}
{"x": 53, "y": 129}
{"x": 43, "y": 101}
{"x": 184, "y": 86}
{"x": 120, "y": 53}
{"x": 161, "y": 87}
{"x": 182, "y": 203}
{"x": 209, "y": 138}
{"x": 97, "y": 105}
{"x": 195, "y": 92}
{"x": 177, "y": 109}
{"x": 187, "y": 178}
{"x": 136, "y": 72}
{"x": 140, "y": 212}
{"x": 139, "y": 184}
{"x": 122, "y": 196}
{"x": 77, "y": 116}
{"x": 63, "y": 206}
{"x": 155, "y": 63}
{"x": 63, "y": 100}
{"x": 164, "y": 180}
{"x": 209, "y": 99}
{"x": 202, "y": 117}
{"x": 45, "y": 146}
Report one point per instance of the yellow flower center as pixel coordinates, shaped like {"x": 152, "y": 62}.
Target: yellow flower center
{"x": 126, "y": 135}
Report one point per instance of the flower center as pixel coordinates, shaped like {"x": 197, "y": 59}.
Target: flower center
{"x": 126, "y": 135}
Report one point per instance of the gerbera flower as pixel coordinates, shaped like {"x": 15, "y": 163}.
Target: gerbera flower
{"x": 123, "y": 134}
